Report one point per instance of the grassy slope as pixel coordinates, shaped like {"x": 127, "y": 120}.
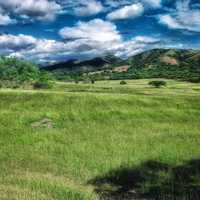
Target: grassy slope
{"x": 98, "y": 129}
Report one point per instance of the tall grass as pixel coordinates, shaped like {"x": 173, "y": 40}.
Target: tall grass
{"x": 94, "y": 134}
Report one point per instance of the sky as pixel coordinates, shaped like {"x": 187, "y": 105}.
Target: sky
{"x": 48, "y": 31}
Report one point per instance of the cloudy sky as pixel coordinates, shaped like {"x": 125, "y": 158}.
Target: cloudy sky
{"x": 56, "y": 30}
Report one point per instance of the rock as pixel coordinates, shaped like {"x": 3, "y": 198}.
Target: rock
{"x": 44, "y": 123}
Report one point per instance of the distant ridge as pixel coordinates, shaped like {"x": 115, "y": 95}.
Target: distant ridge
{"x": 156, "y": 63}
{"x": 148, "y": 58}
{"x": 88, "y": 65}
{"x": 163, "y": 57}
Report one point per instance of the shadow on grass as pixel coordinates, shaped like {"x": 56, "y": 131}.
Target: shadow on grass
{"x": 151, "y": 180}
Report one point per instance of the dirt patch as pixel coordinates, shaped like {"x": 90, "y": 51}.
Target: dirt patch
{"x": 170, "y": 61}
{"x": 122, "y": 68}
{"x": 44, "y": 123}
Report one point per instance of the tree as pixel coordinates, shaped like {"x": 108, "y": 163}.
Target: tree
{"x": 158, "y": 84}
{"x": 92, "y": 81}
{"x": 123, "y": 82}
{"x": 15, "y": 73}
{"x": 44, "y": 81}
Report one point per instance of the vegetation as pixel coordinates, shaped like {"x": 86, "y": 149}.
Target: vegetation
{"x": 92, "y": 81}
{"x": 44, "y": 81}
{"x": 158, "y": 63}
{"x": 158, "y": 83}
{"x": 123, "y": 82}
{"x": 15, "y": 73}
{"x": 102, "y": 143}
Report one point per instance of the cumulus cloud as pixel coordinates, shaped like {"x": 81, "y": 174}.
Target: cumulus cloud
{"x": 153, "y": 3}
{"x": 11, "y": 43}
{"x": 31, "y": 48}
{"x": 169, "y": 21}
{"x": 89, "y": 8}
{"x": 96, "y": 30}
{"x": 5, "y": 20}
{"x": 125, "y": 12}
{"x": 40, "y": 9}
{"x": 81, "y": 8}
{"x": 44, "y": 50}
{"x": 184, "y": 17}
{"x": 130, "y": 9}
{"x": 48, "y": 9}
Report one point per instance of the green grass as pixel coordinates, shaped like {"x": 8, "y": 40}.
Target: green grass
{"x": 98, "y": 130}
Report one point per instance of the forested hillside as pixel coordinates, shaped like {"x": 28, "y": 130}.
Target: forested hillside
{"x": 166, "y": 63}
{"x": 156, "y": 63}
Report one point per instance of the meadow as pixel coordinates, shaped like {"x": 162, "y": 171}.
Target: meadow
{"x": 100, "y": 141}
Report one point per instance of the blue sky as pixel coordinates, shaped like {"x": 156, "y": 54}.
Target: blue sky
{"x": 56, "y": 30}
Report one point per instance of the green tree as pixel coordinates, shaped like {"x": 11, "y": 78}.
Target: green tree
{"x": 158, "y": 84}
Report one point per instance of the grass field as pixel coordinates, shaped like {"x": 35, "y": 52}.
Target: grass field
{"x": 105, "y": 141}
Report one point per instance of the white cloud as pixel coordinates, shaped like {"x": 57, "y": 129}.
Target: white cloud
{"x": 31, "y": 48}
{"x": 146, "y": 39}
{"x": 43, "y": 50}
{"x": 148, "y": 3}
{"x": 89, "y": 8}
{"x": 31, "y": 10}
{"x": 40, "y": 9}
{"x": 11, "y": 43}
{"x": 131, "y": 11}
{"x": 184, "y": 17}
{"x": 84, "y": 40}
{"x": 115, "y": 4}
{"x": 153, "y": 3}
{"x": 169, "y": 21}
{"x": 96, "y": 30}
{"x": 5, "y": 20}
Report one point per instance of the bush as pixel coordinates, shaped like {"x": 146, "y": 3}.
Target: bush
{"x": 42, "y": 85}
{"x": 158, "y": 84}
{"x": 16, "y": 85}
{"x": 194, "y": 80}
{"x": 93, "y": 81}
{"x": 14, "y": 70}
{"x": 123, "y": 83}
{"x": 45, "y": 81}
{"x": 9, "y": 84}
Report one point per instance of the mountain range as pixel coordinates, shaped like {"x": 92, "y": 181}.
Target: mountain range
{"x": 158, "y": 63}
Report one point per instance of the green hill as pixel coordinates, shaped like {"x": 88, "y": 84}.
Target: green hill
{"x": 156, "y": 63}
{"x": 163, "y": 57}
{"x": 94, "y": 64}
{"x": 166, "y": 63}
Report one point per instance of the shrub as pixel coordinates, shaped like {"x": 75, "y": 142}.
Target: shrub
{"x": 16, "y": 85}
{"x": 123, "y": 83}
{"x": 15, "y": 70}
{"x": 42, "y": 85}
{"x": 93, "y": 81}
{"x": 86, "y": 81}
{"x": 45, "y": 81}
{"x": 158, "y": 84}
{"x": 194, "y": 79}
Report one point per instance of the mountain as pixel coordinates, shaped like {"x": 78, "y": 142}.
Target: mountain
{"x": 94, "y": 64}
{"x": 157, "y": 63}
{"x": 166, "y": 63}
{"x": 166, "y": 57}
